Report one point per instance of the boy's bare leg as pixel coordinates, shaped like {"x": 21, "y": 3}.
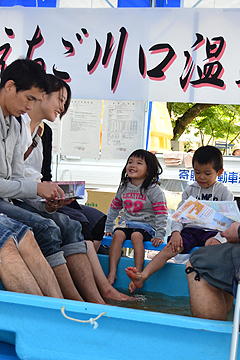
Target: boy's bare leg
{"x": 115, "y": 254}
{"x": 66, "y": 283}
{"x": 38, "y": 266}
{"x": 14, "y": 273}
{"x": 139, "y": 252}
{"x": 82, "y": 275}
{"x": 212, "y": 241}
{"x": 154, "y": 265}
{"x": 106, "y": 289}
{"x": 207, "y": 301}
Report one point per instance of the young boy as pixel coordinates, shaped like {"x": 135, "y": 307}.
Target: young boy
{"x": 208, "y": 166}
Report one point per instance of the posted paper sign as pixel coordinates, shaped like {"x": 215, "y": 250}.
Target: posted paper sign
{"x": 123, "y": 123}
{"x": 81, "y": 129}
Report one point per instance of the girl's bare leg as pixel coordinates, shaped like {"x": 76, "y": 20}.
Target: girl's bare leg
{"x": 139, "y": 252}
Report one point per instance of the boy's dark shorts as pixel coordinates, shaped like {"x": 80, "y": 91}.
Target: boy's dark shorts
{"x": 194, "y": 237}
{"x": 217, "y": 264}
{"x": 128, "y": 232}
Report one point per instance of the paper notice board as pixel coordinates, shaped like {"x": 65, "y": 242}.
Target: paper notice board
{"x": 123, "y": 128}
{"x": 81, "y": 129}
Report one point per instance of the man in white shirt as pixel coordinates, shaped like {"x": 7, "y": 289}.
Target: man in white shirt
{"x": 22, "y": 84}
{"x": 23, "y": 267}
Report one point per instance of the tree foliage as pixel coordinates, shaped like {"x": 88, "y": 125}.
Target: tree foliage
{"x": 216, "y": 121}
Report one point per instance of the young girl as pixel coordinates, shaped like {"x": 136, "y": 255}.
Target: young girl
{"x": 145, "y": 210}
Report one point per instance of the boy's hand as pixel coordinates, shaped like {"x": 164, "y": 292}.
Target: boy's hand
{"x": 156, "y": 242}
{"x": 176, "y": 241}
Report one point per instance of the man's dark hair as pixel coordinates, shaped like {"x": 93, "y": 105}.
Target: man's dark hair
{"x": 208, "y": 155}
{"x": 26, "y": 74}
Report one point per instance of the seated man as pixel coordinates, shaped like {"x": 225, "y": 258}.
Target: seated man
{"x": 210, "y": 272}
{"x": 23, "y": 267}
{"x": 22, "y": 85}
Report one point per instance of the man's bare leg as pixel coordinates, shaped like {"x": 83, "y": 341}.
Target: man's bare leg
{"x": 115, "y": 254}
{"x": 82, "y": 275}
{"x": 96, "y": 244}
{"x": 154, "y": 265}
{"x": 207, "y": 301}
{"x": 66, "y": 283}
{"x": 38, "y": 266}
{"x": 14, "y": 273}
{"x": 106, "y": 289}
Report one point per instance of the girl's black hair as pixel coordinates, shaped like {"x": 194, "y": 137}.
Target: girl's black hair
{"x": 57, "y": 84}
{"x": 154, "y": 169}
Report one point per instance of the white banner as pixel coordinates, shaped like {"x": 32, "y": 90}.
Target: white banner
{"x": 158, "y": 54}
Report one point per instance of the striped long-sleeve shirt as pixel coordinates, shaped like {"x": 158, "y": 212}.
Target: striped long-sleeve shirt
{"x": 149, "y": 207}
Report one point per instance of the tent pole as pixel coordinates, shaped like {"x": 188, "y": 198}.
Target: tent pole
{"x": 153, "y": 3}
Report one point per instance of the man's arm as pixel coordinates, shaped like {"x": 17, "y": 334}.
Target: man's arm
{"x": 20, "y": 187}
{"x": 232, "y": 233}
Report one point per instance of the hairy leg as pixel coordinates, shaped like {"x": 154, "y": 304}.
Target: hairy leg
{"x": 106, "y": 289}
{"x": 39, "y": 267}
{"x": 154, "y": 265}
{"x": 66, "y": 283}
{"x": 14, "y": 273}
{"x": 115, "y": 254}
{"x": 81, "y": 271}
{"x": 207, "y": 301}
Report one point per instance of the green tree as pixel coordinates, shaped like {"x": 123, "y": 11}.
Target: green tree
{"x": 217, "y": 121}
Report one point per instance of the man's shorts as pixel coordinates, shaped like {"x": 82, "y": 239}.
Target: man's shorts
{"x": 11, "y": 229}
{"x": 217, "y": 264}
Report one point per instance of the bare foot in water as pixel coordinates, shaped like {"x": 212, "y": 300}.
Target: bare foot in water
{"x": 135, "y": 276}
{"x": 111, "y": 278}
{"x": 113, "y": 294}
{"x": 131, "y": 287}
